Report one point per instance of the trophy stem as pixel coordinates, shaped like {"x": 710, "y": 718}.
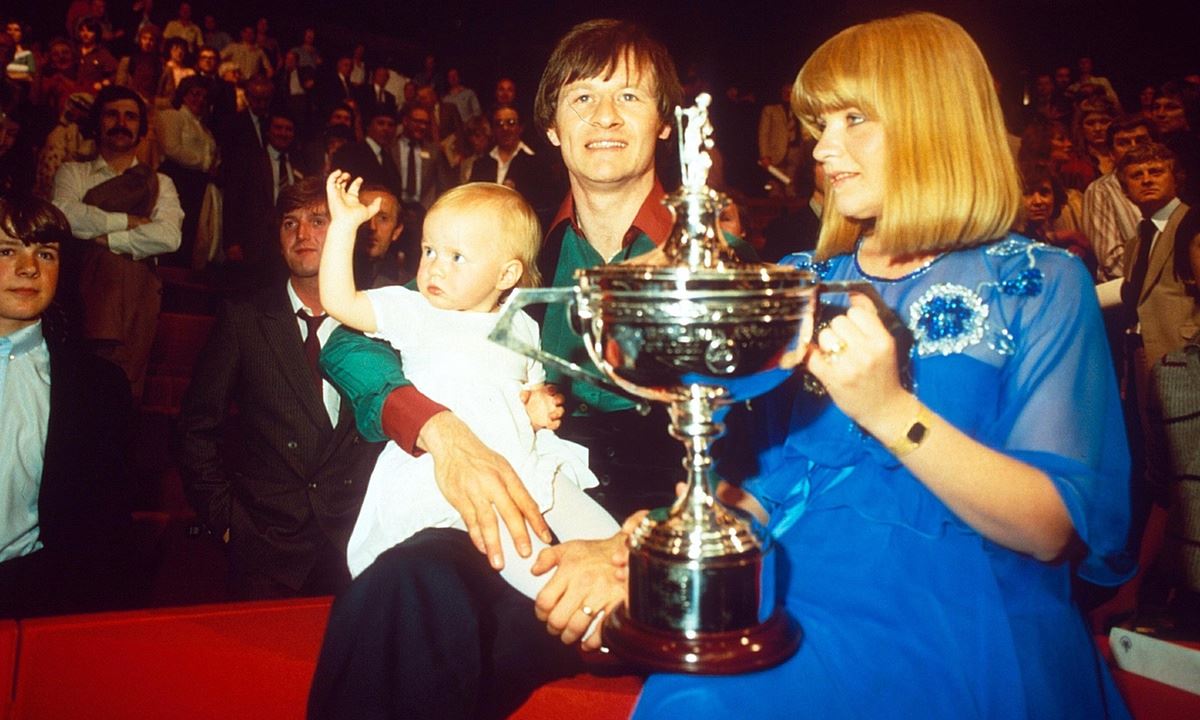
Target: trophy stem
{"x": 694, "y": 423}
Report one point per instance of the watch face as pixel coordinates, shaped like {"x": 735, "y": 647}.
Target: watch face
{"x": 916, "y": 433}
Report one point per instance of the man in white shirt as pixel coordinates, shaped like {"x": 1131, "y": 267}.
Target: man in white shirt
{"x": 64, "y": 420}
{"x": 1109, "y": 216}
{"x": 129, "y": 215}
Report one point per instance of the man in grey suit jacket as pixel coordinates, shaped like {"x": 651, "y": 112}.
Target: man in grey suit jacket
{"x": 280, "y": 480}
{"x": 424, "y": 172}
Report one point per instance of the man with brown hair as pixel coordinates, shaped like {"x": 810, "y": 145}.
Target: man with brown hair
{"x": 606, "y": 99}
{"x": 285, "y": 497}
{"x": 129, "y": 214}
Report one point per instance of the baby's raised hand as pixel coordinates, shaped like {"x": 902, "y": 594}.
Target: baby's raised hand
{"x": 344, "y": 205}
{"x": 544, "y": 405}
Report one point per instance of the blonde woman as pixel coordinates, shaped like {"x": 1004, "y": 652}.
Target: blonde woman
{"x": 931, "y": 506}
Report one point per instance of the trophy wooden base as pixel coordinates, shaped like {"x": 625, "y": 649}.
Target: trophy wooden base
{"x": 710, "y": 653}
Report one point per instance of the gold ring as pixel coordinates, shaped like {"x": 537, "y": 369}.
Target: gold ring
{"x": 587, "y": 610}
{"x": 836, "y": 350}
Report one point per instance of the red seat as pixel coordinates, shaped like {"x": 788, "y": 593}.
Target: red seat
{"x": 8, "y": 663}
{"x": 178, "y": 341}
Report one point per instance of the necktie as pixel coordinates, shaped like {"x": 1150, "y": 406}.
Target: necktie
{"x": 312, "y": 344}
{"x": 410, "y": 181}
{"x": 285, "y": 177}
{"x": 1132, "y": 289}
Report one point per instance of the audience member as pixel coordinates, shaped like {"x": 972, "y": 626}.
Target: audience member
{"x": 65, "y": 143}
{"x": 214, "y": 36}
{"x": 1043, "y": 200}
{"x": 1109, "y": 217}
{"x": 1078, "y": 89}
{"x": 127, "y": 214}
{"x": 189, "y": 157}
{"x": 444, "y": 116}
{"x": 23, "y": 64}
{"x": 463, "y": 151}
{"x": 175, "y": 69}
{"x": 184, "y": 28}
{"x": 374, "y": 94}
{"x": 269, "y": 45}
{"x": 142, "y": 70}
{"x": 1092, "y": 118}
{"x": 372, "y": 158}
{"x": 1176, "y": 107}
{"x": 250, "y": 58}
{"x": 424, "y": 171}
{"x": 464, "y": 98}
{"x": 66, "y": 425}
{"x": 282, "y": 490}
{"x": 378, "y": 260}
{"x": 96, "y": 66}
{"x": 307, "y": 50}
{"x": 780, "y": 144}
{"x": 513, "y": 163}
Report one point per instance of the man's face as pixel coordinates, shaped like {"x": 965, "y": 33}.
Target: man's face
{"x": 426, "y": 97}
{"x": 280, "y": 133}
{"x": 452, "y": 77}
{"x": 185, "y": 11}
{"x": 247, "y": 35}
{"x": 1168, "y": 114}
{"x": 416, "y": 124}
{"x": 506, "y": 92}
{"x": 120, "y": 122}
{"x": 28, "y": 279}
{"x": 1085, "y": 66}
{"x": 1126, "y": 140}
{"x": 1150, "y": 185}
{"x": 1044, "y": 86}
{"x": 302, "y": 238}
{"x": 1062, "y": 77}
{"x": 258, "y": 97}
{"x": 210, "y": 23}
{"x": 385, "y": 225}
{"x": 61, "y": 56}
{"x": 382, "y": 129}
{"x": 344, "y": 66}
{"x": 380, "y": 76}
{"x": 507, "y": 124}
{"x": 206, "y": 62}
{"x": 341, "y": 116}
{"x": 146, "y": 42}
{"x": 14, "y": 31}
{"x": 607, "y": 128}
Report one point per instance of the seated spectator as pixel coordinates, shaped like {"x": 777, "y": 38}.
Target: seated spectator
{"x": 214, "y": 36}
{"x": 142, "y": 70}
{"x": 23, "y": 65}
{"x": 1092, "y": 118}
{"x": 126, "y": 214}
{"x": 1109, "y": 217}
{"x": 269, "y": 45}
{"x": 463, "y": 150}
{"x": 175, "y": 69}
{"x": 1051, "y": 141}
{"x": 378, "y": 259}
{"x": 307, "y": 50}
{"x": 96, "y": 65}
{"x": 1043, "y": 200}
{"x": 463, "y": 97}
{"x": 57, "y": 79}
{"x": 513, "y": 163}
{"x": 279, "y": 483}
{"x": 184, "y": 28}
{"x": 250, "y": 58}
{"x": 1079, "y": 88}
{"x": 65, "y": 143}
{"x": 189, "y": 158}
{"x": 67, "y": 414}
{"x": 1177, "y": 115}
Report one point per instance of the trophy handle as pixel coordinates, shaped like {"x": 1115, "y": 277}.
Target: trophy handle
{"x": 891, "y": 321}
{"x": 502, "y": 334}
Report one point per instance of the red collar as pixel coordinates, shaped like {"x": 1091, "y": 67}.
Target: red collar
{"x": 653, "y": 218}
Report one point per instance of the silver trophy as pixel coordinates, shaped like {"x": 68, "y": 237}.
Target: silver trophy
{"x": 700, "y": 331}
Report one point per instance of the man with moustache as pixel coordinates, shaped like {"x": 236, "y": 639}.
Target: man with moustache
{"x": 430, "y": 630}
{"x": 129, "y": 214}
{"x": 1109, "y": 216}
{"x": 279, "y": 482}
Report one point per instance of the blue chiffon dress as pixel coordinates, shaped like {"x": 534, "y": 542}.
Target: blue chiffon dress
{"x": 907, "y": 612}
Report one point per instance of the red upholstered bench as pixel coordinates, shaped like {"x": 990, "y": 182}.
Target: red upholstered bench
{"x": 230, "y": 661}
{"x": 8, "y": 663}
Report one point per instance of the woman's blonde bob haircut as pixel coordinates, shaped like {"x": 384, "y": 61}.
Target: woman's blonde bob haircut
{"x": 517, "y": 226}
{"x": 951, "y": 180}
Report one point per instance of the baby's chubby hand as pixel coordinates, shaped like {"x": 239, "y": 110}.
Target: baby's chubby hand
{"x": 344, "y": 205}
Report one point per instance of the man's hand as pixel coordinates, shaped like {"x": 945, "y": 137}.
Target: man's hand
{"x": 479, "y": 483}
{"x": 134, "y": 221}
{"x": 588, "y": 584}
{"x": 544, "y": 406}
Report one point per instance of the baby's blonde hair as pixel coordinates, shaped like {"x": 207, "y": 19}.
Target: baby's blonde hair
{"x": 516, "y": 224}
{"x": 951, "y": 180}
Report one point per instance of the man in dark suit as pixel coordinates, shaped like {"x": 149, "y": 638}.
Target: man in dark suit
{"x": 445, "y": 119}
{"x": 374, "y": 96}
{"x": 372, "y": 158}
{"x": 64, "y": 515}
{"x": 335, "y": 88}
{"x": 424, "y": 171}
{"x": 280, "y": 481}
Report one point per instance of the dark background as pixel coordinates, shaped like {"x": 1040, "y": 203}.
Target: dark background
{"x": 754, "y": 44}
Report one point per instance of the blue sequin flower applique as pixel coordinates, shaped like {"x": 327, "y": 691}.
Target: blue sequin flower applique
{"x": 947, "y": 319}
{"x": 1027, "y": 283}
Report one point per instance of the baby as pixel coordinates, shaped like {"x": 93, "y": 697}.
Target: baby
{"x": 480, "y": 241}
